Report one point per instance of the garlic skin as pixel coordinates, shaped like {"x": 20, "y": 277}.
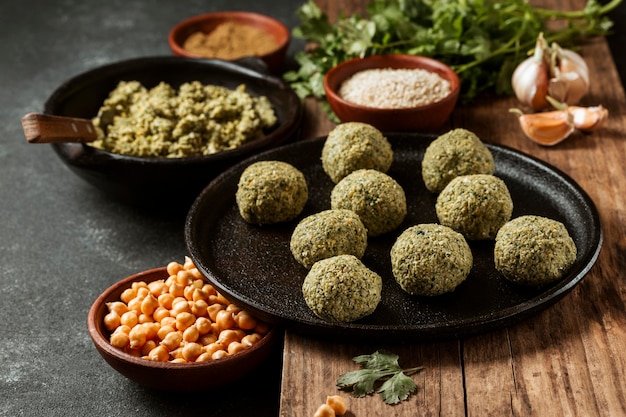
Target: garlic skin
{"x": 530, "y": 79}
{"x": 569, "y": 80}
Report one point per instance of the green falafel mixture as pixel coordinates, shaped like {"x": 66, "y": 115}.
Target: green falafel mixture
{"x": 457, "y": 152}
{"x": 351, "y": 146}
{"x": 342, "y": 289}
{"x": 475, "y": 206}
{"x": 326, "y": 234}
{"x": 271, "y": 192}
{"x": 377, "y": 198}
{"x": 430, "y": 260}
{"x": 534, "y": 250}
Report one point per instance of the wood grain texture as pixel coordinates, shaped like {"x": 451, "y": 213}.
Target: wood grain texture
{"x": 568, "y": 360}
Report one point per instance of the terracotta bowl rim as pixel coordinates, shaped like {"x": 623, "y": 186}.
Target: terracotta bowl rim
{"x": 105, "y": 347}
{"x": 447, "y": 72}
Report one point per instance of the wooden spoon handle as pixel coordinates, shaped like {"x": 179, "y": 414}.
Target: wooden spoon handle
{"x": 46, "y": 128}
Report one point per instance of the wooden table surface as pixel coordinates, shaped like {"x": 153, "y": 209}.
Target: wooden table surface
{"x": 568, "y": 360}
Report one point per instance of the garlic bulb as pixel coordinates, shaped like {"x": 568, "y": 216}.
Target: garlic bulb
{"x": 551, "y": 71}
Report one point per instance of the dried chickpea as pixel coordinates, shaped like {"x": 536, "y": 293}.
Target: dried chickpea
{"x": 149, "y": 304}
{"x": 236, "y": 347}
{"x": 172, "y": 340}
{"x": 180, "y": 306}
{"x": 207, "y": 339}
{"x": 118, "y": 307}
{"x": 130, "y": 318}
{"x": 224, "y": 319}
{"x": 135, "y": 305}
{"x": 166, "y": 300}
{"x": 204, "y": 357}
{"x": 119, "y": 339}
{"x": 142, "y": 292}
{"x": 234, "y": 309}
{"x": 337, "y": 403}
{"x": 188, "y": 292}
{"x": 245, "y": 321}
{"x": 191, "y": 334}
{"x": 203, "y": 325}
{"x": 324, "y": 410}
{"x": 112, "y": 321}
{"x": 191, "y": 351}
{"x": 148, "y": 347}
{"x": 151, "y": 329}
{"x": 219, "y": 354}
{"x": 226, "y": 337}
{"x": 159, "y": 354}
{"x": 199, "y": 308}
{"x": 176, "y": 289}
{"x": 169, "y": 322}
{"x": 213, "y": 309}
{"x": 122, "y": 329}
{"x": 137, "y": 337}
{"x": 128, "y": 294}
{"x": 160, "y": 313}
{"x": 188, "y": 263}
{"x": 157, "y": 288}
{"x": 164, "y": 330}
{"x": 209, "y": 289}
{"x": 145, "y": 318}
{"x": 184, "y": 277}
{"x": 184, "y": 320}
{"x": 173, "y": 268}
{"x": 251, "y": 339}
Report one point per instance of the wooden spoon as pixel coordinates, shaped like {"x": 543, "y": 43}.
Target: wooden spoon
{"x": 46, "y": 128}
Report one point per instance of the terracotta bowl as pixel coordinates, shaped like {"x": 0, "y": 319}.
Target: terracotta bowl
{"x": 167, "y": 376}
{"x": 205, "y": 23}
{"x": 426, "y": 118}
{"x": 143, "y": 180}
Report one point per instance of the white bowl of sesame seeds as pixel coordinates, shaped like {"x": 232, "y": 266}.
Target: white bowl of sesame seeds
{"x": 393, "y": 92}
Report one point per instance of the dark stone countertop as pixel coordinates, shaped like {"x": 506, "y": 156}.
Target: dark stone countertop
{"x": 63, "y": 242}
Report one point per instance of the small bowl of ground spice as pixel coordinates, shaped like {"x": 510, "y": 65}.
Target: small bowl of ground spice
{"x": 393, "y": 92}
{"x": 231, "y": 35}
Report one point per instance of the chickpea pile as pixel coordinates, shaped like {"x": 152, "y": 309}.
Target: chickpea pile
{"x": 181, "y": 319}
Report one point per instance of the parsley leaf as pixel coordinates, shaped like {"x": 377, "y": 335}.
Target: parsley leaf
{"x": 380, "y": 372}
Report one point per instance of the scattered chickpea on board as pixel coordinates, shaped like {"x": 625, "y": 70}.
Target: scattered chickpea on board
{"x": 334, "y": 406}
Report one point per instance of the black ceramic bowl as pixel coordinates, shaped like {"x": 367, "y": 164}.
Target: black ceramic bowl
{"x": 147, "y": 180}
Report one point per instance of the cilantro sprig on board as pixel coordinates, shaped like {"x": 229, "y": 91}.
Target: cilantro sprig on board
{"x": 482, "y": 40}
{"x": 381, "y": 373}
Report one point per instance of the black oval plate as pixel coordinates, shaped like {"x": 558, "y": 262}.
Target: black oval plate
{"x": 253, "y": 265}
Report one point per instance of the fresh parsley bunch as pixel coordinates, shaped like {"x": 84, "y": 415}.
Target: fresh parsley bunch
{"x": 379, "y": 372}
{"x": 482, "y": 40}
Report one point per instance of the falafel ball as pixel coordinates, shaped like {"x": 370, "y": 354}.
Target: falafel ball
{"x": 326, "y": 234}
{"x": 475, "y": 206}
{"x": 271, "y": 192}
{"x": 430, "y": 259}
{"x": 351, "y": 146}
{"x": 457, "y": 152}
{"x": 534, "y": 250}
{"x": 377, "y": 198}
{"x": 342, "y": 289}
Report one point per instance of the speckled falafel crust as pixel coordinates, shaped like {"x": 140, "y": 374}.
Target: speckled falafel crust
{"x": 377, "y": 198}
{"x": 271, "y": 192}
{"x": 534, "y": 250}
{"x": 326, "y": 234}
{"x": 475, "y": 206}
{"x": 342, "y": 289}
{"x": 430, "y": 260}
{"x": 457, "y": 152}
{"x": 351, "y": 146}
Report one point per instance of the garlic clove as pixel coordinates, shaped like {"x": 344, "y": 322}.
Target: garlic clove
{"x": 569, "y": 80}
{"x": 530, "y": 78}
{"x": 547, "y": 128}
{"x": 588, "y": 118}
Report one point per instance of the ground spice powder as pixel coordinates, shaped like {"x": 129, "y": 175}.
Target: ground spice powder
{"x": 230, "y": 40}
